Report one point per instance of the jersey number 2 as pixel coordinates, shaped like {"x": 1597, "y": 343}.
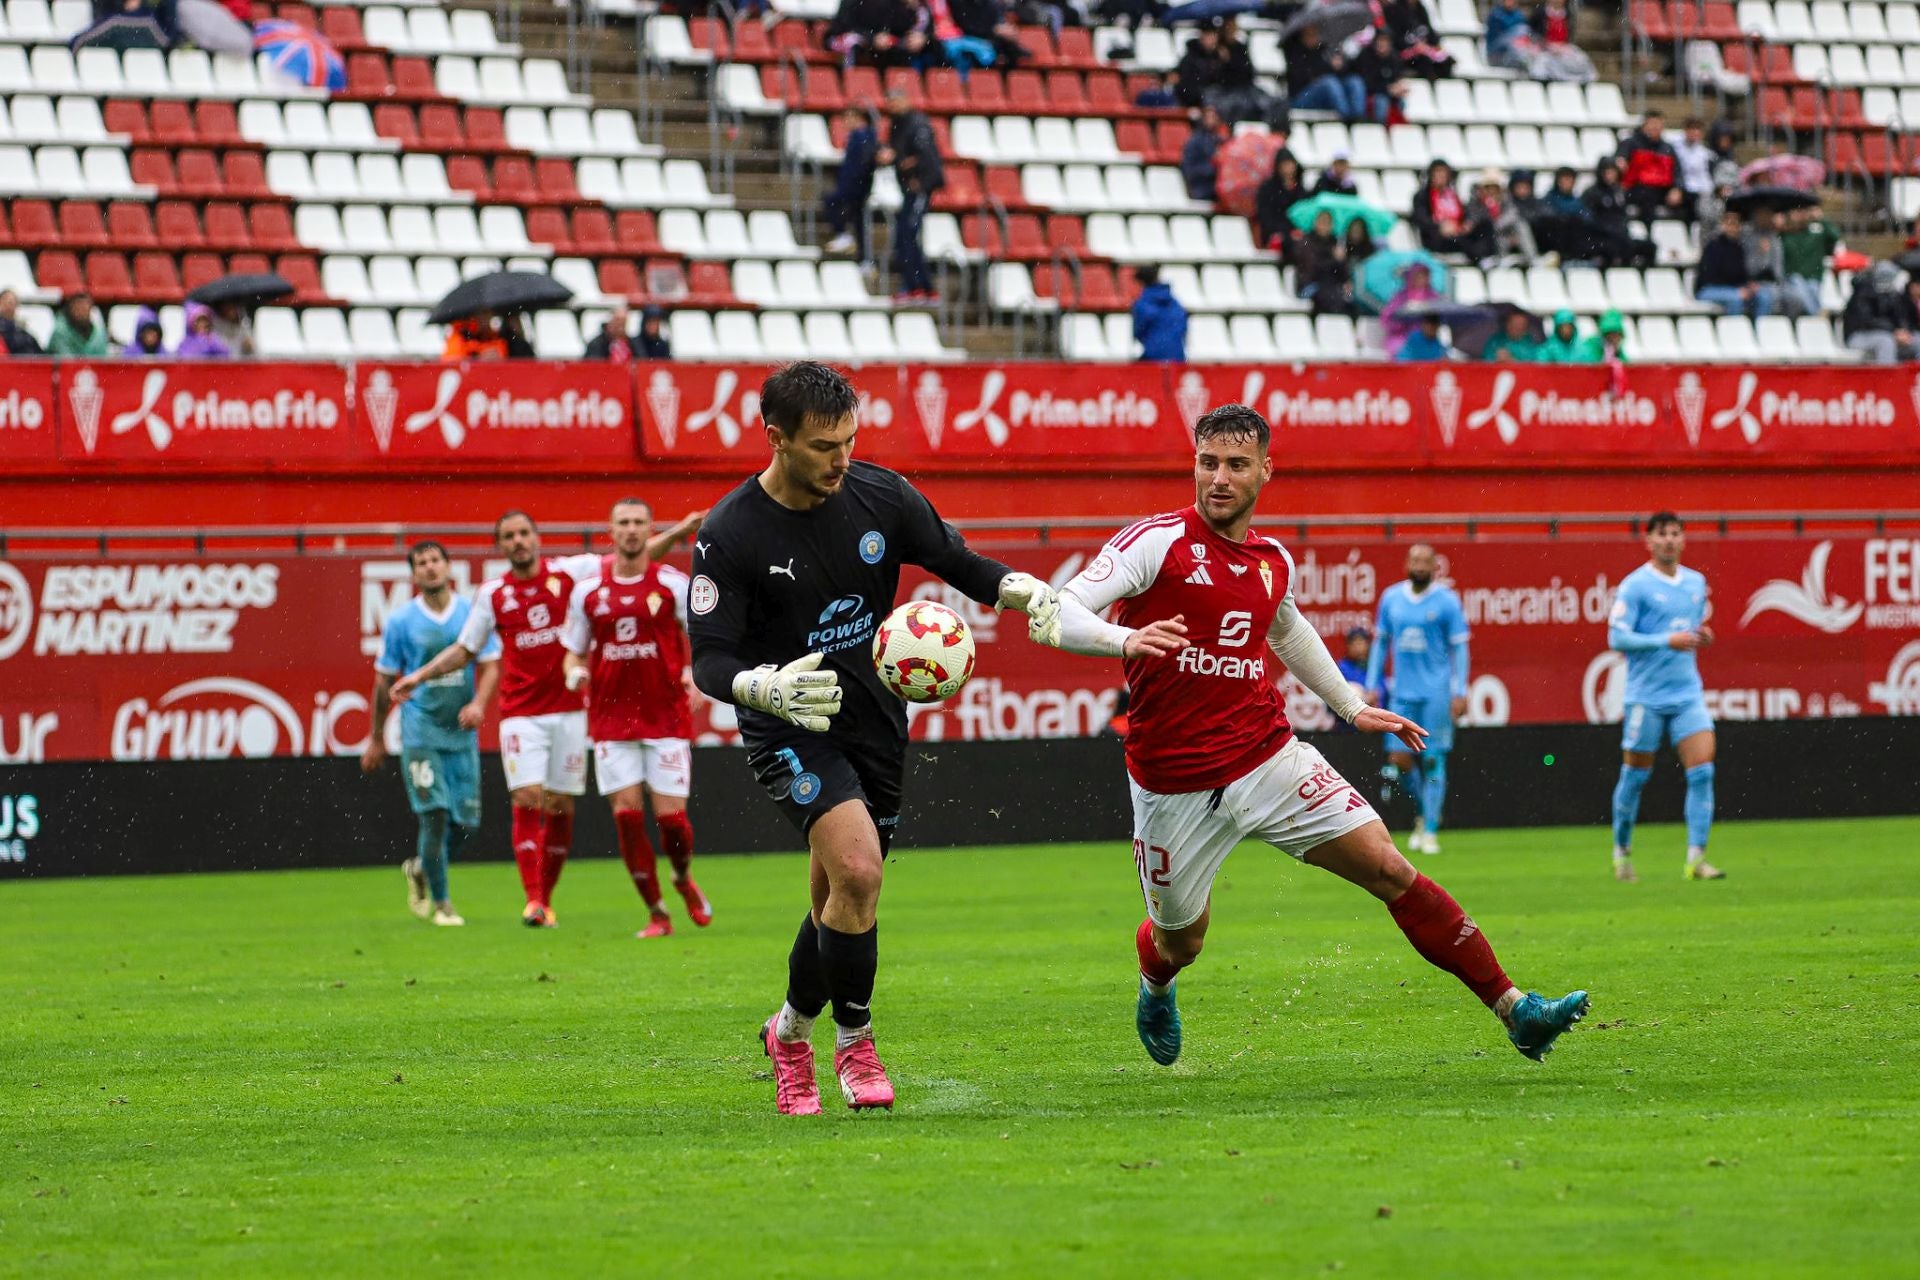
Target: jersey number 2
{"x": 1154, "y": 863}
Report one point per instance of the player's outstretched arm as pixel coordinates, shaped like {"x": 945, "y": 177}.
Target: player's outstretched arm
{"x": 1083, "y": 631}
{"x": 486, "y": 679}
{"x": 667, "y": 539}
{"x": 1300, "y": 648}
{"x": 446, "y": 662}
{"x": 375, "y": 753}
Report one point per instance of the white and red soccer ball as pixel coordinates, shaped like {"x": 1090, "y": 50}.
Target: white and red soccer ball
{"x": 923, "y": 651}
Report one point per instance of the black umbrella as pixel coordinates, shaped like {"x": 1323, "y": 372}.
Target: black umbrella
{"x": 250, "y": 289}
{"x": 1748, "y": 199}
{"x": 1337, "y": 19}
{"x": 501, "y": 291}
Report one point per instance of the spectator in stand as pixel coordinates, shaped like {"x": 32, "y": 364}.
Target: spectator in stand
{"x": 13, "y": 335}
{"x": 1515, "y": 340}
{"x": 474, "y": 338}
{"x": 1489, "y": 208}
{"x": 1650, "y": 172}
{"x": 986, "y": 21}
{"x": 1608, "y": 346}
{"x": 849, "y": 229}
{"x": 1611, "y": 240}
{"x": 1760, "y": 241}
{"x": 233, "y": 325}
{"x": 1321, "y": 272}
{"x": 1337, "y": 177}
{"x": 1318, "y": 78}
{"x": 653, "y": 344}
{"x": 1440, "y": 216}
{"x": 1133, "y": 14}
{"x": 1557, "y": 56}
{"x": 200, "y": 341}
{"x": 77, "y": 328}
{"x": 1159, "y": 94}
{"x": 1235, "y": 91}
{"x": 1563, "y": 341}
{"x": 148, "y": 342}
{"x": 1353, "y": 663}
{"x": 1275, "y": 199}
{"x": 1880, "y": 321}
{"x": 1416, "y": 286}
{"x": 879, "y": 33}
{"x": 1723, "y": 278}
{"x": 1199, "y": 157}
{"x": 1509, "y": 41}
{"x": 1199, "y": 69}
{"x": 1159, "y": 321}
{"x": 1381, "y": 73}
{"x": 615, "y": 340}
{"x": 513, "y": 332}
{"x": 1805, "y": 246}
{"x": 1414, "y": 39}
{"x": 1424, "y": 343}
{"x": 1547, "y": 226}
{"x": 1359, "y": 242}
{"x": 914, "y": 153}
{"x": 1696, "y": 162}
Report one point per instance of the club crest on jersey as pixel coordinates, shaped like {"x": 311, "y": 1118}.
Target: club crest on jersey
{"x": 805, "y": 789}
{"x": 1199, "y": 550}
{"x": 553, "y": 585}
{"x": 1266, "y": 577}
{"x": 654, "y": 601}
{"x": 872, "y": 546}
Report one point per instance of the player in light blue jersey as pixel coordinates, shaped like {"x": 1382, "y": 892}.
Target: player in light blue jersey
{"x": 1659, "y": 621}
{"x": 1423, "y": 630}
{"x": 439, "y": 751}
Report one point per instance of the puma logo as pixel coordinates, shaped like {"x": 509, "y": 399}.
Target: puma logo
{"x": 700, "y": 546}
{"x": 786, "y": 569}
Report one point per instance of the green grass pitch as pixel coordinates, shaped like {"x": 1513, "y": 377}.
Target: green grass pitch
{"x": 286, "y": 1074}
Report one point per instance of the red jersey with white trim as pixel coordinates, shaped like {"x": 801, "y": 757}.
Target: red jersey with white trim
{"x": 1208, "y": 715}
{"x": 529, "y": 615}
{"x": 633, "y": 632}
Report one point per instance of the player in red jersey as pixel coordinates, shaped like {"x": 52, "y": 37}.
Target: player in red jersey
{"x": 1211, "y": 756}
{"x": 626, "y": 645}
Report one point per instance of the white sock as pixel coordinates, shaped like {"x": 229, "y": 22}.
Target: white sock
{"x": 1695, "y": 854}
{"x": 1504, "y": 1005}
{"x": 1620, "y": 854}
{"x": 846, "y": 1036}
{"x": 792, "y": 1026}
{"x": 1157, "y": 988}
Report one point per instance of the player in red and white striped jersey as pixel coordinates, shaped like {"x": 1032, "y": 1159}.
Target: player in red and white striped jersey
{"x": 1211, "y": 755}
{"x": 627, "y": 646}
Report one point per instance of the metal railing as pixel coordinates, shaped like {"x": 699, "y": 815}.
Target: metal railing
{"x": 364, "y": 540}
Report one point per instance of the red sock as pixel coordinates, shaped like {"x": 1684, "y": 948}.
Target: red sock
{"x": 1154, "y": 967}
{"x": 559, "y": 840}
{"x": 529, "y": 850}
{"x": 1449, "y": 939}
{"x": 637, "y": 852}
{"x": 676, "y": 833}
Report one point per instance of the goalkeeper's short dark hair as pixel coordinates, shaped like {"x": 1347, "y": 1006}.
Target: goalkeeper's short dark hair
{"x": 1232, "y": 422}
{"x": 803, "y": 393}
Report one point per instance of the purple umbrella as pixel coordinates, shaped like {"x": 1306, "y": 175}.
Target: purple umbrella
{"x": 1802, "y": 173}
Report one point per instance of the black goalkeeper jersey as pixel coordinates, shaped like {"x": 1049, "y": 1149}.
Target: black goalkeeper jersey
{"x": 772, "y": 584}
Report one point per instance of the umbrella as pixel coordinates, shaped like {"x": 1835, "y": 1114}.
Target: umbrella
{"x": 1337, "y": 20}
{"x": 214, "y": 28}
{"x": 1243, "y": 162}
{"x": 1210, "y": 10}
{"x": 1802, "y": 173}
{"x": 1344, "y": 210}
{"x": 501, "y": 291}
{"x": 1748, "y": 199}
{"x": 1474, "y": 327}
{"x": 1380, "y": 275}
{"x": 249, "y": 289}
{"x": 300, "y": 53}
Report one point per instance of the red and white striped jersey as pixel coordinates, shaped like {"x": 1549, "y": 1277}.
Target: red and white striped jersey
{"x": 529, "y": 615}
{"x": 1211, "y": 713}
{"x": 632, "y": 630}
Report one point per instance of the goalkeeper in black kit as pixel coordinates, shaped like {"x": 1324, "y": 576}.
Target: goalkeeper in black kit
{"x": 792, "y": 573}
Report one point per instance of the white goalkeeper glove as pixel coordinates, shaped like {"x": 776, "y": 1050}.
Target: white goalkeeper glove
{"x": 1040, "y": 602}
{"x": 798, "y": 693}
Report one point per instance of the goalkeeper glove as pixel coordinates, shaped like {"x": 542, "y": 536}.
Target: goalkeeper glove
{"x": 1038, "y": 601}
{"x": 798, "y": 693}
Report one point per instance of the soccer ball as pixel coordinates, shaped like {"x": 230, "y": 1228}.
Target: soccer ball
{"x": 923, "y": 651}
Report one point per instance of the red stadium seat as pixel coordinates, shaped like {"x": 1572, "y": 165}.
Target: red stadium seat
{"x": 513, "y": 178}
{"x": 81, "y": 226}
{"x": 1718, "y": 24}
{"x": 440, "y": 126}
{"x": 1003, "y": 184}
{"x": 217, "y": 125}
{"x": 1039, "y": 46}
{"x": 1843, "y": 109}
{"x": 1134, "y": 137}
{"x": 1107, "y": 94}
{"x": 156, "y": 278}
{"x": 593, "y": 233}
{"x": 862, "y": 86}
{"x": 468, "y": 173}
{"x": 942, "y": 135}
{"x": 553, "y": 179}
{"x": 1026, "y": 238}
{"x": 33, "y": 226}
{"x": 1067, "y": 231}
{"x": 226, "y": 226}
{"x": 751, "y": 43}
{"x": 620, "y": 278}
{"x": 197, "y": 269}
{"x": 367, "y": 76}
{"x": 486, "y": 130}
{"x": 249, "y": 264}
{"x": 962, "y": 190}
{"x": 299, "y": 14}
{"x": 1026, "y": 93}
{"x": 271, "y": 226}
{"x": 1171, "y": 135}
{"x": 200, "y": 175}
{"x": 413, "y": 79}
{"x": 108, "y": 279}
{"x": 130, "y": 226}
{"x": 709, "y": 286}
{"x": 152, "y": 168}
{"x": 823, "y": 90}
{"x": 906, "y": 80}
{"x": 981, "y": 232}
{"x": 172, "y": 123}
{"x": 1076, "y": 47}
{"x": 246, "y": 176}
{"x": 635, "y": 232}
{"x": 341, "y": 25}
{"x": 1066, "y": 96}
{"x": 548, "y": 226}
{"x": 57, "y": 269}
{"x": 1099, "y": 291}
{"x": 177, "y": 225}
{"x": 395, "y": 120}
{"x": 945, "y": 92}
{"x": 303, "y": 273}
{"x": 129, "y": 118}
{"x": 1649, "y": 18}
{"x": 986, "y": 93}
{"x": 709, "y": 33}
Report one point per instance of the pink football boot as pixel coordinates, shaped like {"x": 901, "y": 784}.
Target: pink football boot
{"x": 863, "y": 1080}
{"x": 795, "y": 1092}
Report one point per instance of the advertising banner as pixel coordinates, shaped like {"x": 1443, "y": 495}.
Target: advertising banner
{"x": 491, "y": 411}
{"x": 203, "y": 412}
{"x": 27, "y": 414}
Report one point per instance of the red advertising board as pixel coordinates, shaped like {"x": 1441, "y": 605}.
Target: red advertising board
{"x": 188, "y": 413}
{"x": 27, "y": 414}
{"x": 488, "y": 411}
{"x": 194, "y": 659}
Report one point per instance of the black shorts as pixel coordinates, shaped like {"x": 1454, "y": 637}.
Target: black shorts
{"x": 809, "y": 773}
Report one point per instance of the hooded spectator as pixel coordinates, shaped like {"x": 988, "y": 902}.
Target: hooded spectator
{"x": 653, "y": 343}
{"x": 148, "y": 341}
{"x": 1605, "y": 202}
{"x": 1416, "y": 286}
{"x": 1557, "y": 55}
{"x": 1608, "y": 345}
{"x": 1359, "y": 243}
{"x": 1723, "y": 277}
{"x": 1337, "y": 177}
{"x": 77, "y": 328}
{"x": 1199, "y": 157}
{"x": 1439, "y": 214}
{"x": 13, "y": 335}
{"x": 1199, "y": 69}
{"x": 1879, "y": 321}
{"x": 1275, "y": 198}
{"x": 1159, "y": 321}
{"x": 200, "y": 341}
{"x": 1508, "y": 38}
{"x": 1563, "y": 341}
{"x": 1415, "y": 40}
{"x": 1539, "y": 216}
{"x": 1650, "y": 172}
{"x": 1322, "y": 273}
{"x": 1319, "y": 79}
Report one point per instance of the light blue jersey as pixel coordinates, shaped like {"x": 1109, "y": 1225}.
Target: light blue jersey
{"x": 430, "y": 719}
{"x": 1425, "y": 633}
{"x": 1650, "y": 608}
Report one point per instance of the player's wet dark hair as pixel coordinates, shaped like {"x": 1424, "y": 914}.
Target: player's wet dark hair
{"x": 1232, "y": 422}
{"x": 805, "y": 392}
{"x": 508, "y": 515}
{"x": 634, "y": 502}
{"x": 423, "y": 546}
{"x": 1661, "y": 519}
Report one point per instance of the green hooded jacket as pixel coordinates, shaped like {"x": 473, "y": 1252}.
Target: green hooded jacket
{"x": 1594, "y": 350}
{"x": 66, "y": 342}
{"x": 1558, "y": 350}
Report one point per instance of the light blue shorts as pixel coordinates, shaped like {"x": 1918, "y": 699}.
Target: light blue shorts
{"x": 1435, "y": 715}
{"x": 1644, "y": 727}
{"x": 448, "y": 780}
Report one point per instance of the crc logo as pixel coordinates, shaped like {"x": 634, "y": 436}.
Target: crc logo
{"x": 1806, "y": 600}
{"x": 16, "y": 610}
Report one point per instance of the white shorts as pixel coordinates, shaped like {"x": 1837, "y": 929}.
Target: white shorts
{"x": 546, "y": 751}
{"x": 664, "y": 764}
{"x": 1294, "y": 800}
